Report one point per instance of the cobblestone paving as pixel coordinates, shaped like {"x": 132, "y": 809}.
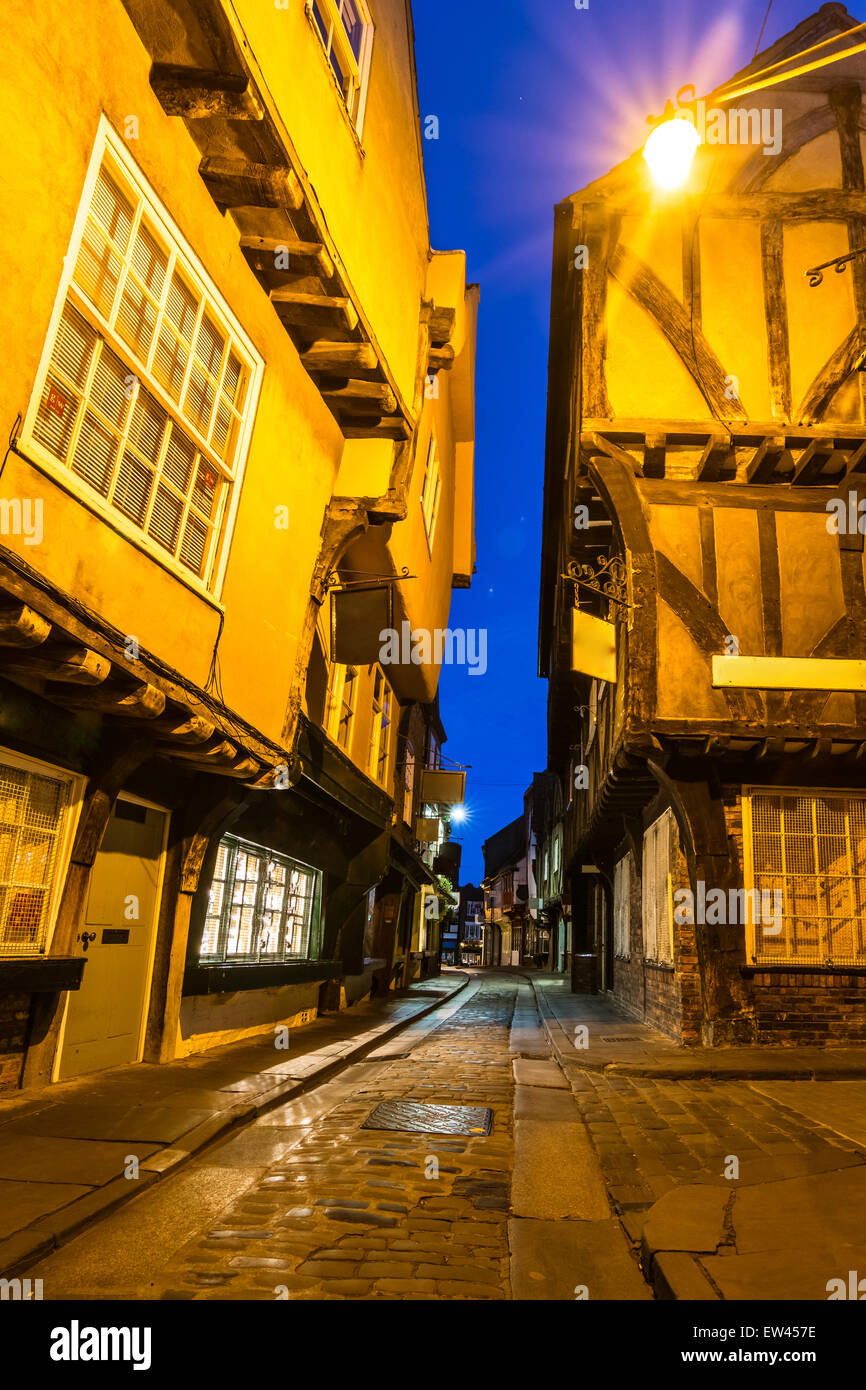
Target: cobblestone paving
{"x": 360, "y": 1214}
{"x": 651, "y": 1136}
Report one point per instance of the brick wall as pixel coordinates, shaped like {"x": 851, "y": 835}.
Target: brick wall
{"x": 824, "y": 1008}
{"x": 14, "y": 1013}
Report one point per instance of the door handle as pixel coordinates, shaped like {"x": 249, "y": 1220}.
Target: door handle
{"x": 85, "y": 938}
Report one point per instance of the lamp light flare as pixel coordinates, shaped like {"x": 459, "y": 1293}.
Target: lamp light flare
{"x": 669, "y": 151}
{"x": 458, "y": 814}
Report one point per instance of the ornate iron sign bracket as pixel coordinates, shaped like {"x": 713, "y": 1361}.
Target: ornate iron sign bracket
{"x": 838, "y": 262}
{"x": 609, "y": 576}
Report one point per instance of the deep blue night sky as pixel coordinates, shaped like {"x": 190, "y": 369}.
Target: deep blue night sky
{"x": 535, "y": 99}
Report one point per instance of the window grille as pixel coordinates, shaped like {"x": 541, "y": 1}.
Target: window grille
{"x": 147, "y": 388}
{"x": 260, "y": 907}
{"x": 32, "y": 809}
{"x": 812, "y": 850}
{"x": 656, "y": 890}
{"x": 621, "y": 905}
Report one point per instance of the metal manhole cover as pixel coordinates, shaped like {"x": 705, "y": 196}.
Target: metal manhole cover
{"x": 419, "y": 1118}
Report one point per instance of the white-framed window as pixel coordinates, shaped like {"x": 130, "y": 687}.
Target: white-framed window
{"x": 379, "y": 760}
{"x": 38, "y": 808}
{"x": 809, "y": 848}
{"x": 430, "y": 491}
{"x": 145, "y": 395}
{"x": 342, "y": 701}
{"x": 622, "y": 906}
{"x": 261, "y": 906}
{"x": 346, "y": 31}
{"x": 556, "y": 852}
{"x": 408, "y": 784}
{"x": 657, "y": 905}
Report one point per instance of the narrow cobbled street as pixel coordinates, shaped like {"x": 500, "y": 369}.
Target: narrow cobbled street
{"x": 324, "y": 1208}
{"x": 309, "y": 1202}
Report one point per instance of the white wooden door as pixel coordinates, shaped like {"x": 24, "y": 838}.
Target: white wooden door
{"x": 104, "y": 1017}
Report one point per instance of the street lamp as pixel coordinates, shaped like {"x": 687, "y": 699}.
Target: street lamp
{"x": 458, "y": 814}
{"x": 670, "y": 149}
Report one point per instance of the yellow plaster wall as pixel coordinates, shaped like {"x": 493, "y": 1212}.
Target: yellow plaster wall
{"x": 373, "y": 196}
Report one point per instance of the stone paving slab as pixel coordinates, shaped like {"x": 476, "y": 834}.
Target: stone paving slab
{"x": 841, "y": 1106}
{"x": 559, "y": 1260}
{"x": 534, "y": 1073}
{"x": 159, "y": 1124}
{"x": 23, "y": 1202}
{"x": 776, "y": 1276}
{"x": 35, "y": 1159}
{"x": 649, "y": 1053}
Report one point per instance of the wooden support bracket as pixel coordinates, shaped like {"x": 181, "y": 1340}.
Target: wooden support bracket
{"x": 236, "y": 183}
{"x": 195, "y": 93}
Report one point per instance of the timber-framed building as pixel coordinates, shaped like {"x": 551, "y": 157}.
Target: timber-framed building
{"x": 706, "y": 413}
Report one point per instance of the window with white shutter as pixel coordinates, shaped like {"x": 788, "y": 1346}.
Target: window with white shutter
{"x": 656, "y": 891}
{"x": 147, "y": 387}
{"x": 811, "y": 849}
{"x": 621, "y": 905}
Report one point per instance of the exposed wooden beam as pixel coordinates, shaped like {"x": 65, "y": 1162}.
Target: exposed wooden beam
{"x": 827, "y": 381}
{"x": 385, "y": 428}
{"x": 765, "y": 460}
{"x": 810, "y": 464}
{"x": 654, "y": 456}
{"x": 236, "y": 183}
{"x": 694, "y": 351}
{"x": 441, "y": 325}
{"x": 718, "y": 455}
{"x": 216, "y": 753}
{"x": 630, "y": 430}
{"x": 308, "y": 251}
{"x": 355, "y": 392}
{"x": 185, "y": 729}
{"x": 143, "y": 702}
{"x": 440, "y": 359}
{"x": 855, "y": 468}
{"x": 22, "y": 627}
{"x": 195, "y": 93}
{"x": 295, "y": 306}
{"x": 594, "y": 444}
{"x": 776, "y": 319}
{"x": 324, "y": 356}
{"x": 65, "y": 661}
{"x": 818, "y": 205}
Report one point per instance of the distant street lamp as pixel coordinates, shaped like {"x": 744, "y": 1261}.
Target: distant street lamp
{"x": 670, "y": 149}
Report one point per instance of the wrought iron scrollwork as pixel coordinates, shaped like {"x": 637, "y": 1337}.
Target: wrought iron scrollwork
{"x": 838, "y": 263}
{"x": 337, "y": 581}
{"x": 610, "y": 577}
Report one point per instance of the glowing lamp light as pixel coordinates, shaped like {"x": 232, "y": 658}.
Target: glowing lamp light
{"x": 669, "y": 151}
{"x": 458, "y": 814}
